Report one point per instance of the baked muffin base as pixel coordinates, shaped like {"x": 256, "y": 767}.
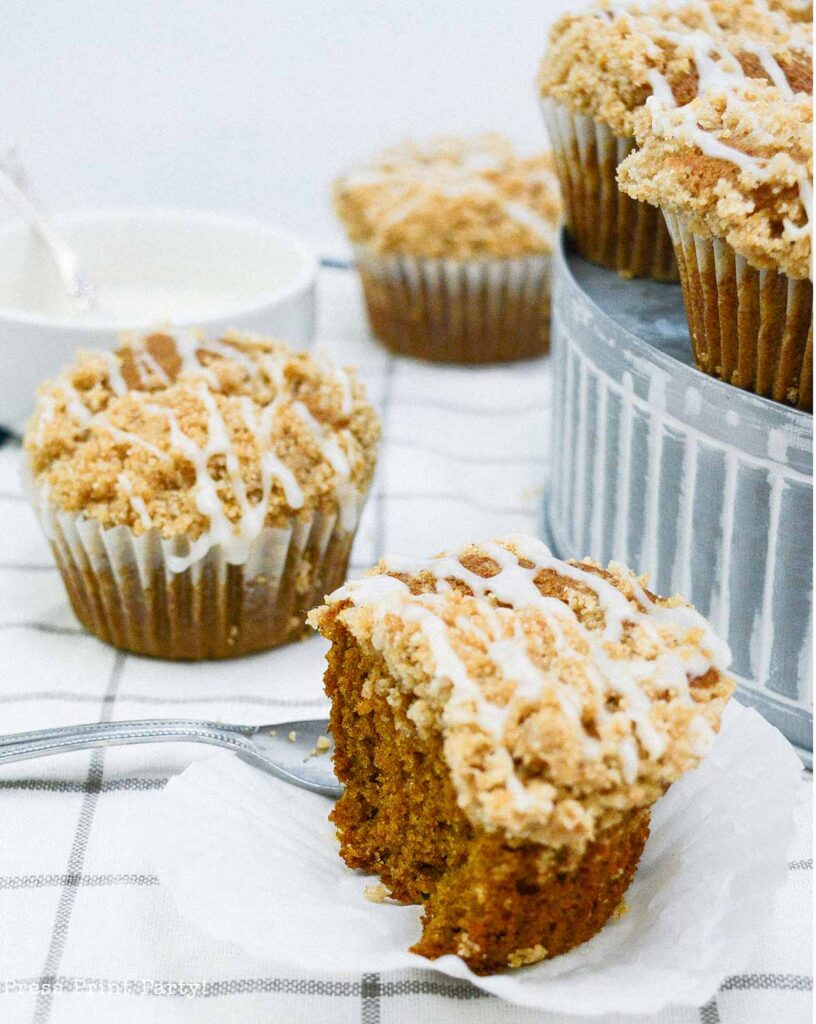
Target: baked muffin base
{"x": 751, "y": 328}
{"x": 122, "y": 590}
{"x": 493, "y": 903}
{"x": 605, "y": 225}
{"x": 479, "y": 311}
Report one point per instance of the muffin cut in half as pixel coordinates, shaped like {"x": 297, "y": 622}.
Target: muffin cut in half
{"x": 453, "y": 240}
{"x": 503, "y": 722}
{"x": 200, "y": 494}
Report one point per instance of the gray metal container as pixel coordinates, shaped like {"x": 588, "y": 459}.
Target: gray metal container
{"x": 707, "y": 488}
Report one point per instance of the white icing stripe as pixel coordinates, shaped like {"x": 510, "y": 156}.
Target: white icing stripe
{"x": 513, "y": 586}
{"x": 758, "y": 168}
{"x": 234, "y": 537}
{"x": 414, "y": 175}
{"x": 136, "y": 501}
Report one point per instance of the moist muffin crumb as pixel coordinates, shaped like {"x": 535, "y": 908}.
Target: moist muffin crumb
{"x": 503, "y": 722}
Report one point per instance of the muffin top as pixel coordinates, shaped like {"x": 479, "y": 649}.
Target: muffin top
{"x": 205, "y": 440}
{"x": 566, "y": 694}
{"x": 459, "y": 198}
{"x": 607, "y": 60}
{"x": 738, "y": 164}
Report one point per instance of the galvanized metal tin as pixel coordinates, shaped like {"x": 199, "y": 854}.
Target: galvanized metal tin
{"x": 706, "y": 487}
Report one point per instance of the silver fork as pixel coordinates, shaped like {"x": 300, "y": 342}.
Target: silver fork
{"x": 288, "y": 750}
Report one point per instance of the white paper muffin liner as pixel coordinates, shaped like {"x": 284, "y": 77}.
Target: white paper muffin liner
{"x": 250, "y": 860}
{"x": 461, "y": 311}
{"x": 751, "y": 328}
{"x": 155, "y": 596}
{"x": 606, "y": 226}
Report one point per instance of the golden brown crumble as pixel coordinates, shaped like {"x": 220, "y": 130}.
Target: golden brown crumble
{"x": 101, "y": 441}
{"x": 543, "y": 739}
{"x": 459, "y": 198}
{"x": 754, "y": 199}
{"x": 602, "y": 61}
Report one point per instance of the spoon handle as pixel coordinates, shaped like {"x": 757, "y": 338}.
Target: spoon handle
{"x": 76, "y": 284}
{"x": 42, "y": 742}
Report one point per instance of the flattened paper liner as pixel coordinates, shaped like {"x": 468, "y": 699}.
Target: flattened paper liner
{"x": 254, "y": 861}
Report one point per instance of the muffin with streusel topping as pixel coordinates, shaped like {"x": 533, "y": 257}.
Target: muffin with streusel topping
{"x": 503, "y": 722}
{"x": 601, "y": 66}
{"x": 200, "y": 495}
{"x": 453, "y": 240}
{"x": 733, "y": 174}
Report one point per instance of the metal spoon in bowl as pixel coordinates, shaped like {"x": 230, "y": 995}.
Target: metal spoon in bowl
{"x": 295, "y": 752}
{"x": 14, "y": 184}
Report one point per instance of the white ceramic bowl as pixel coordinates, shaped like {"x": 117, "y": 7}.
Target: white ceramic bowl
{"x": 151, "y": 268}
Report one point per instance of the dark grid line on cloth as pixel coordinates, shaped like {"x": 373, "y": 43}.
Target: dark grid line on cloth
{"x": 62, "y": 918}
{"x": 710, "y": 1013}
{"x": 92, "y": 881}
{"x": 426, "y": 984}
{"x": 370, "y": 986}
{"x": 132, "y": 785}
{"x": 445, "y": 988}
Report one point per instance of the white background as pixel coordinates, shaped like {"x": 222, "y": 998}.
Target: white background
{"x": 252, "y": 106}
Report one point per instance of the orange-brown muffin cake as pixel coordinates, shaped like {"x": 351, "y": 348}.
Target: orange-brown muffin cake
{"x": 733, "y": 174}
{"x": 452, "y": 239}
{"x": 503, "y": 722}
{"x": 200, "y": 494}
{"x": 602, "y": 65}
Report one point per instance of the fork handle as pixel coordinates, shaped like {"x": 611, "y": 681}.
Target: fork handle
{"x": 42, "y": 742}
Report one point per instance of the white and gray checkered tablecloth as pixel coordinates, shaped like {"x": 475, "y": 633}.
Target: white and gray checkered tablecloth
{"x": 86, "y": 931}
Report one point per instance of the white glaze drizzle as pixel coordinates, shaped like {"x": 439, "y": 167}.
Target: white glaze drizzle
{"x": 234, "y": 538}
{"x": 756, "y": 167}
{"x": 513, "y": 585}
{"x": 433, "y": 175}
{"x": 136, "y": 501}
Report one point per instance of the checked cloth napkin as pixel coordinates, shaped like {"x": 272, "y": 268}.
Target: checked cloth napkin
{"x": 87, "y": 933}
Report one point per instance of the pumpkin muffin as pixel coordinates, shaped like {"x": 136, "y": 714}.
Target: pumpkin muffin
{"x": 503, "y": 722}
{"x": 200, "y": 495}
{"x": 605, "y": 62}
{"x": 453, "y": 240}
{"x": 733, "y": 174}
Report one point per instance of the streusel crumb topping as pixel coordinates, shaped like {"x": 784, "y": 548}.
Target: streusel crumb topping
{"x": 458, "y": 198}
{"x": 608, "y": 60}
{"x": 193, "y": 436}
{"x": 565, "y": 693}
{"x": 739, "y": 165}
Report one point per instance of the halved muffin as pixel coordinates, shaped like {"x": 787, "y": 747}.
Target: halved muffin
{"x": 503, "y": 721}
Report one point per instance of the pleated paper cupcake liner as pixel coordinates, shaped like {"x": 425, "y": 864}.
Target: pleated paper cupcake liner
{"x": 605, "y": 225}
{"x": 250, "y": 860}
{"x": 751, "y": 328}
{"x": 145, "y": 594}
{"x": 458, "y": 311}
